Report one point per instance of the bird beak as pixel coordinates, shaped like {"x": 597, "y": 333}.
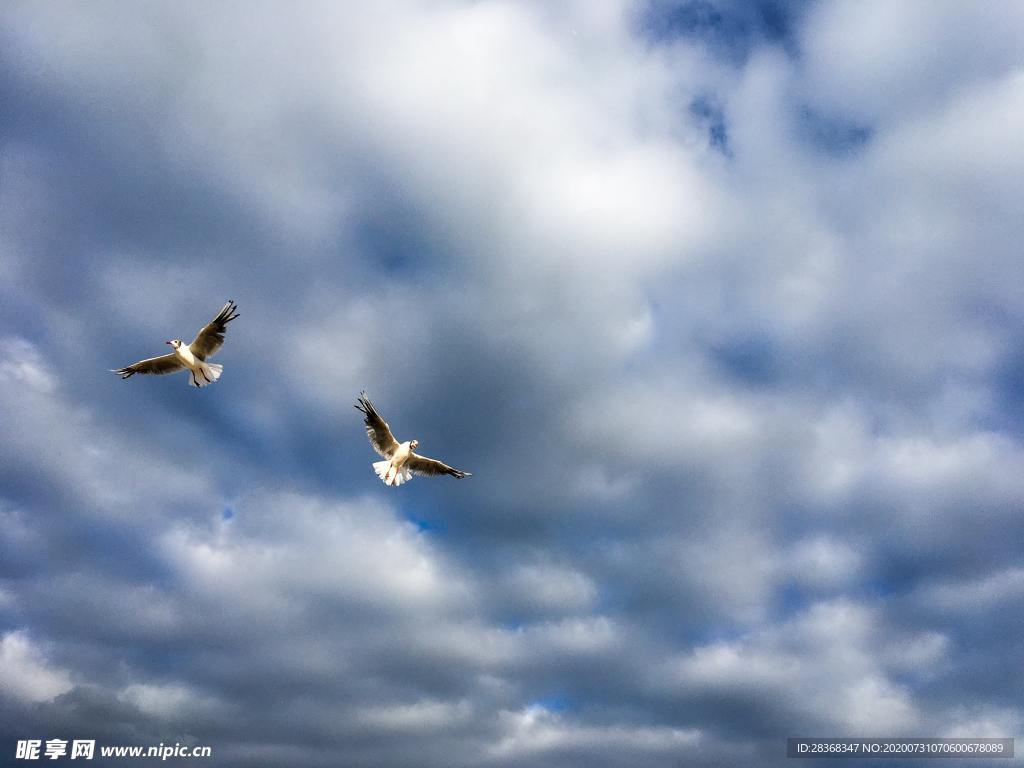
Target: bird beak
{"x": 167, "y": 342}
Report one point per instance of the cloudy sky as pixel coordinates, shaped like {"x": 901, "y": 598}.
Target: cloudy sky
{"x": 721, "y": 302}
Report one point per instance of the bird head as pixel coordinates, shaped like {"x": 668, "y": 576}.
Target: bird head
{"x": 176, "y": 343}
{"x": 414, "y": 443}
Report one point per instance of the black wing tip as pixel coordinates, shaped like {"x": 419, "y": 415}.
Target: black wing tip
{"x": 228, "y": 312}
{"x": 458, "y": 474}
{"x": 124, "y": 373}
{"x": 363, "y": 404}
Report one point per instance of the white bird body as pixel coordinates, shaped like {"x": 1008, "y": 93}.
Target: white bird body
{"x": 184, "y": 352}
{"x": 393, "y": 471}
{"x": 402, "y": 454}
{"x": 203, "y": 373}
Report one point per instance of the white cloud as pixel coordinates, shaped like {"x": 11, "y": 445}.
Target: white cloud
{"x": 983, "y": 593}
{"x": 926, "y": 654}
{"x": 421, "y": 716}
{"x": 880, "y": 60}
{"x": 551, "y": 587}
{"x": 25, "y": 672}
{"x": 24, "y": 366}
{"x": 822, "y": 561}
{"x": 537, "y": 730}
{"x": 169, "y": 701}
{"x": 985, "y": 723}
{"x": 825, "y": 664}
{"x": 120, "y": 474}
{"x": 284, "y": 545}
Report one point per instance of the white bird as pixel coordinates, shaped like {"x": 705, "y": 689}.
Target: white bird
{"x": 191, "y": 357}
{"x": 401, "y": 463}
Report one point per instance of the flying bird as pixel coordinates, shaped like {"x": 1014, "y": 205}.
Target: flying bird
{"x": 191, "y": 357}
{"x": 400, "y": 462}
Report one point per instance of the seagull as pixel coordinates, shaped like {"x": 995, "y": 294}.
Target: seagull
{"x": 400, "y": 462}
{"x": 191, "y": 357}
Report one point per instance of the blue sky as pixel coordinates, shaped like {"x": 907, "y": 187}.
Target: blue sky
{"x": 720, "y": 302}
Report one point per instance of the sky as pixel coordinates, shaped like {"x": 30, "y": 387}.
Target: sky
{"x": 720, "y": 302}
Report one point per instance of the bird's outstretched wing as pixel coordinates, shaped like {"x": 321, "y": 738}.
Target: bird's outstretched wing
{"x": 421, "y": 465}
{"x": 154, "y": 365}
{"x": 209, "y": 340}
{"x": 377, "y": 429}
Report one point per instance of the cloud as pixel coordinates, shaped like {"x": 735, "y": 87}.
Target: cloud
{"x": 26, "y": 674}
{"x": 822, "y": 561}
{"x": 716, "y": 300}
{"x": 165, "y": 701}
{"x": 24, "y": 367}
{"x": 871, "y": 60}
{"x": 537, "y": 731}
{"x": 977, "y": 594}
{"x": 823, "y": 669}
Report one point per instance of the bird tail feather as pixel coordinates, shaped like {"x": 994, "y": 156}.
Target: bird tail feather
{"x": 382, "y": 468}
{"x": 207, "y": 374}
